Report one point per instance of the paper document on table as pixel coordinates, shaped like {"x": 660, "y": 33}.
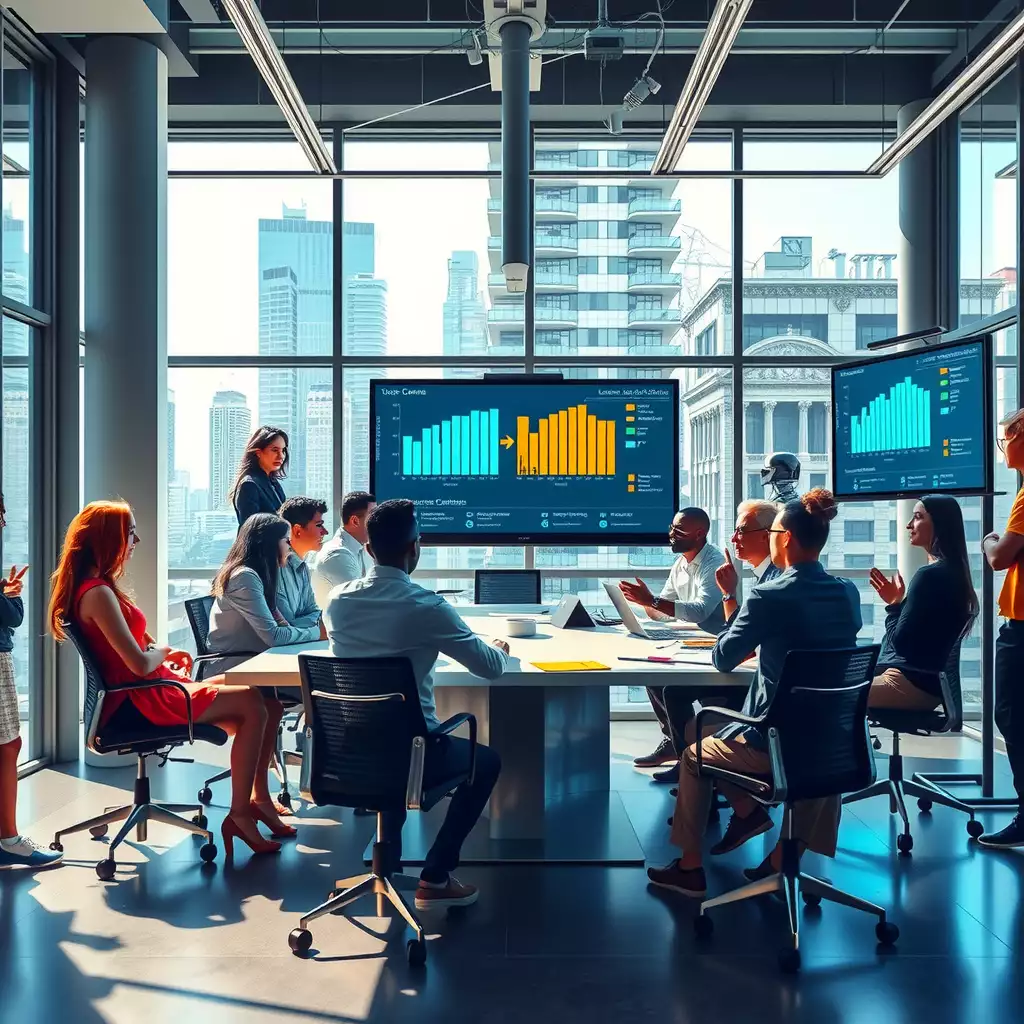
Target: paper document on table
{"x": 570, "y": 666}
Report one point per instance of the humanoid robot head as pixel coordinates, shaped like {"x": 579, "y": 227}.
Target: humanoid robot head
{"x": 779, "y": 476}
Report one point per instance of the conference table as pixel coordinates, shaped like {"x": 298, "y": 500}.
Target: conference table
{"x": 553, "y": 801}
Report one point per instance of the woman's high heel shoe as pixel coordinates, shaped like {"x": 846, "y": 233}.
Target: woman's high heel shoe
{"x": 229, "y": 830}
{"x": 279, "y": 830}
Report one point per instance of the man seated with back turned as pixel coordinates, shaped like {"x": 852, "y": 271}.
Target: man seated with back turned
{"x": 386, "y": 615}
{"x": 344, "y": 556}
{"x": 690, "y": 595}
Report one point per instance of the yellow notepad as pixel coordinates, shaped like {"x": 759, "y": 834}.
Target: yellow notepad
{"x": 570, "y": 666}
{"x": 701, "y": 644}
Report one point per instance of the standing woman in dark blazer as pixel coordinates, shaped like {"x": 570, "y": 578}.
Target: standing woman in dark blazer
{"x": 264, "y": 464}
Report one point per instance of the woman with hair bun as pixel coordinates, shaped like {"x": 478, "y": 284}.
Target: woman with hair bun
{"x": 803, "y": 608}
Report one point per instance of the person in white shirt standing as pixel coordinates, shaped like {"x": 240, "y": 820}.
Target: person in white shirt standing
{"x": 343, "y": 557}
{"x": 386, "y": 615}
{"x": 690, "y": 595}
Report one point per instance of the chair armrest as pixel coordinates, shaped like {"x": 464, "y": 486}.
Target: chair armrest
{"x": 150, "y": 684}
{"x": 450, "y": 725}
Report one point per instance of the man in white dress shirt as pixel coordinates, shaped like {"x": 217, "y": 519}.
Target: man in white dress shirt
{"x": 690, "y": 595}
{"x": 386, "y": 615}
{"x": 343, "y": 557}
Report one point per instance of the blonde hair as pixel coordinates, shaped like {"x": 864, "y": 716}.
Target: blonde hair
{"x": 1013, "y": 421}
{"x": 764, "y": 512}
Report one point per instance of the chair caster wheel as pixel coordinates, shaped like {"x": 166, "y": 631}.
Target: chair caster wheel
{"x": 811, "y": 899}
{"x": 789, "y": 961}
{"x": 703, "y": 926}
{"x": 904, "y": 843}
{"x": 205, "y": 795}
{"x": 300, "y": 941}
{"x": 876, "y": 743}
{"x": 924, "y": 805}
{"x": 105, "y": 870}
{"x": 208, "y": 853}
{"x": 416, "y": 951}
{"x": 57, "y": 846}
{"x": 200, "y": 819}
{"x": 886, "y": 932}
{"x": 284, "y": 798}
{"x": 98, "y": 832}
{"x": 975, "y": 828}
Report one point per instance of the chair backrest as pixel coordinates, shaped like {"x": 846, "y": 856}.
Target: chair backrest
{"x": 362, "y": 715}
{"x": 952, "y": 691}
{"x": 506, "y": 586}
{"x": 95, "y": 687}
{"x": 820, "y": 712}
{"x": 198, "y": 611}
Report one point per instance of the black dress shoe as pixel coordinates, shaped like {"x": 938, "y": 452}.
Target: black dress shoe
{"x": 664, "y": 753}
{"x": 1009, "y": 838}
{"x": 670, "y": 774}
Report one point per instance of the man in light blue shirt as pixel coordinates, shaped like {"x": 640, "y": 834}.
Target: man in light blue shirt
{"x": 385, "y": 615}
{"x": 344, "y": 557}
{"x": 296, "y": 601}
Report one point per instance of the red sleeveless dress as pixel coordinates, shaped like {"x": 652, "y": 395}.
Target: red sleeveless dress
{"x": 162, "y": 705}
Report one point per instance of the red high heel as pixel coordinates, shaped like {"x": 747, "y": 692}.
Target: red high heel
{"x": 279, "y": 831}
{"x": 229, "y": 830}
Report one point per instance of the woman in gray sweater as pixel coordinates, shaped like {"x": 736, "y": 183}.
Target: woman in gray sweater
{"x": 245, "y": 619}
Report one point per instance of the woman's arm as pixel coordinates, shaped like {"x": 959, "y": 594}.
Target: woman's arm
{"x": 100, "y": 607}
{"x": 247, "y": 500}
{"x": 245, "y": 594}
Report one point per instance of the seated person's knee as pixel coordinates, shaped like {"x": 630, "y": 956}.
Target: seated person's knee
{"x": 690, "y": 758}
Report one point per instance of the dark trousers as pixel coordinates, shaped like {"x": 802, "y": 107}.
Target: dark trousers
{"x": 447, "y": 756}
{"x": 1009, "y": 709}
{"x": 673, "y": 707}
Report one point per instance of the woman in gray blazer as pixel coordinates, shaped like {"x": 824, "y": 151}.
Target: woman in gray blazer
{"x": 245, "y": 619}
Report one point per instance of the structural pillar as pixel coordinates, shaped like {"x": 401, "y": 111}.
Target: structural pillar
{"x": 802, "y": 442}
{"x": 918, "y": 276}
{"x": 126, "y": 299}
{"x": 769, "y": 427}
{"x": 515, "y": 152}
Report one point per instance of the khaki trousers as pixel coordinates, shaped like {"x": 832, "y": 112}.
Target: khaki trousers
{"x": 815, "y": 822}
{"x": 892, "y": 689}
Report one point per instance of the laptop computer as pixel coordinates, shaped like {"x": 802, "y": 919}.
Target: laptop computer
{"x": 632, "y": 623}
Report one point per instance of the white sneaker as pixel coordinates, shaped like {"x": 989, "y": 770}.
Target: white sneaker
{"x": 29, "y": 854}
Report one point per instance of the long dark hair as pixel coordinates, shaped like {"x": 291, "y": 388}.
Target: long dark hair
{"x": 256, "y": 547}
{"x": 262, "y": 437}
{"x": 950, "y": 544}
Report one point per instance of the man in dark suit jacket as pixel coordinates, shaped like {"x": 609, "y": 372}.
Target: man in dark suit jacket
{"x": 750, "y": 539}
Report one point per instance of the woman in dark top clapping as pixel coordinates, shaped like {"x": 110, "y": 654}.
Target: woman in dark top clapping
{"x": 925, "y": 620}
{"x": 264, "y": 464}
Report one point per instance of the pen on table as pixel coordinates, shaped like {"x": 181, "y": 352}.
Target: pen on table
{"x": 659, "y": 659}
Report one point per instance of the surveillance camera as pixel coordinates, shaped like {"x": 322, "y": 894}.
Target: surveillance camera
{"x": 614, "y": 122}
{"x": 474, "y": 53}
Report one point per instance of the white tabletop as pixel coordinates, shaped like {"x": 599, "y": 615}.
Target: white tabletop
{"x": 278, "y": 666}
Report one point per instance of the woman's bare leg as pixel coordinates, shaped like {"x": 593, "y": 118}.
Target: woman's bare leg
{"x": 260, "y": 786}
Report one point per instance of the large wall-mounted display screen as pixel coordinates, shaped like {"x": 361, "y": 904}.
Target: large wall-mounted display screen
{"x": 529, "y": 461}
{"x": 913, "y": 423}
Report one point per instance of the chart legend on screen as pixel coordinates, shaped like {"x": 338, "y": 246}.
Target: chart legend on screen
{"x": 569, "y": 457}
{"x": 913, "y": 422}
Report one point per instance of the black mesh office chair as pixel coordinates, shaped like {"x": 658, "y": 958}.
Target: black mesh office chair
{"x": 365, "y": 747}
{"x": 146, "y": 741}
{"x": 506, "y": 586}
{"x": 948, "y": 718}
{"x": 819, "y": 746}
{"x": 198, "y": 611}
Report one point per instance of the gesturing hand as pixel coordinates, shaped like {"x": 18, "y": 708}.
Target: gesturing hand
{"x": 891, "y": 591}
{"x": 12, "y": 583}
{"x": 179, "y": 661}
{"x": 502, "y": 645}
{"x": 727, "y": 577}
{"x": 638, "y": 593}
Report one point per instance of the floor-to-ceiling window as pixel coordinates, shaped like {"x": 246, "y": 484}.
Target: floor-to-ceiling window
{"x": 24, "y": 331}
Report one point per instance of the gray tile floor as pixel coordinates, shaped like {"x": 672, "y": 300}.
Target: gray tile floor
{"x": 167, "y": 940}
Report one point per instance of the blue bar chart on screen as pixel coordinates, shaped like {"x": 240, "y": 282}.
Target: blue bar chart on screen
{"x": 914, "y": 422}
{"x": 529, "y": 461}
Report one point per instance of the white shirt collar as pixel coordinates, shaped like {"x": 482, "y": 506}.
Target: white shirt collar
{"x": 350, "y": 542}
{"x": 760, "y": 570}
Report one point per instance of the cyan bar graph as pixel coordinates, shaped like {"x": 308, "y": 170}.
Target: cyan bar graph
{"x": 466, "y": 445}
{"x": 900, "y": 419}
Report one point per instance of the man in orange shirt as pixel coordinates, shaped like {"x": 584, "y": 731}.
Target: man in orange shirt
{"x": 1006, "y": 552}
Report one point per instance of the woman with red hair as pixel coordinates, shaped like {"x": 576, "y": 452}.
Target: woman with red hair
{"x": 85, "y": 590}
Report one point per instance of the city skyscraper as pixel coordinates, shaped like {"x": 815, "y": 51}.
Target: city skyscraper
{"x": 464, "y": 317}
{"x": 365, "y": 331}
{"x": 170, "y": 436}
{"x": 319, "y": 447}
{"x": 295, "y": 287}
{"x": 230, "y": 427}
